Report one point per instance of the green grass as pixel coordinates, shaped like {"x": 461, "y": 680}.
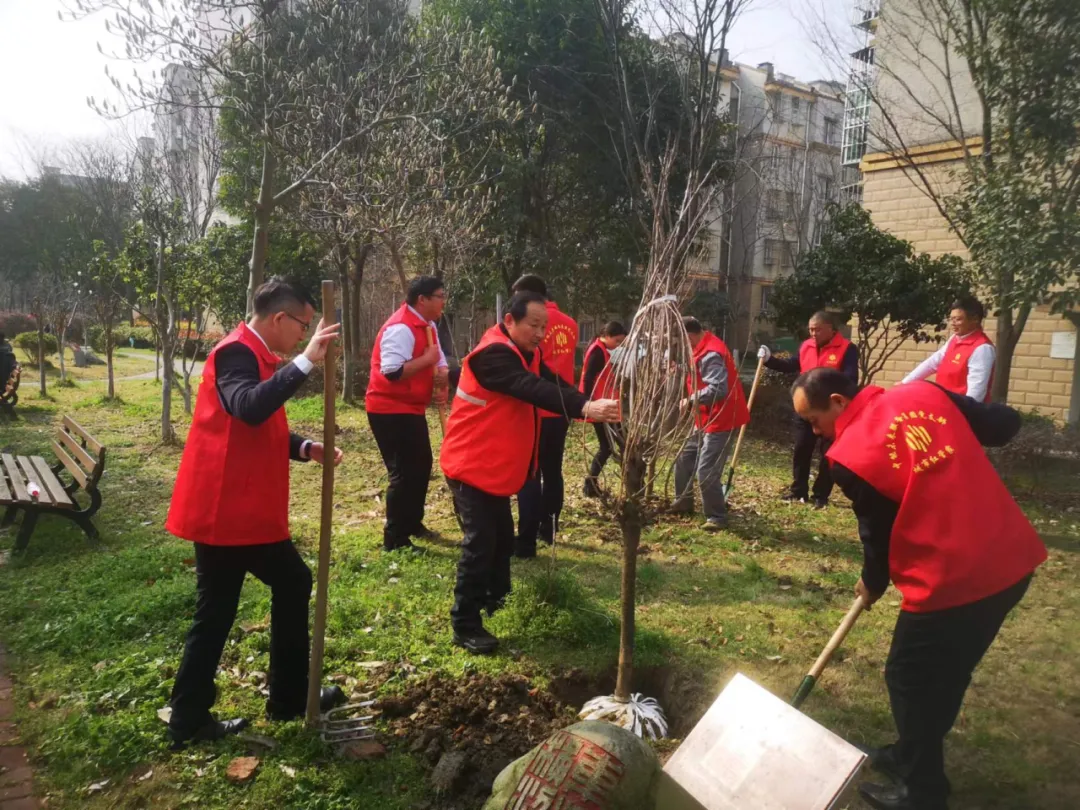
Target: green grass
{"x": 94, "y": 633}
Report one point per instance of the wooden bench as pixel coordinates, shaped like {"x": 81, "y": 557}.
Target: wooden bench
{"x": 80, "y": 457}
{"x": 9, "y": 392}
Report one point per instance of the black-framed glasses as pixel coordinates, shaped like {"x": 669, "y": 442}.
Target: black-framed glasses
{"x": 306, "y": 325}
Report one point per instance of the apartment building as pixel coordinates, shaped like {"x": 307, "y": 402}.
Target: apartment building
{"x": 787, "y": 168}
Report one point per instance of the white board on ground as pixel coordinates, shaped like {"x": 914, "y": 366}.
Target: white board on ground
{"x": 753, "y": 751}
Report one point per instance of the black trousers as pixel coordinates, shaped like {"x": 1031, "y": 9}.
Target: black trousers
{"x": 604, "y": 452}
{"x": 483, "y": 573}
{"x": 220, "y": 572}
{"x": 406, "y": 451}
{"x": 540, "y": 501}
{"x": 928, "y": 671}
{"x": 802, "y": 459}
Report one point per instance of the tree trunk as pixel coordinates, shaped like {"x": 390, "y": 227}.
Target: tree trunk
{"x": 41, "y": 355}
{"x": 359, "y": 262}
{"x": 264, "y": 207}
{"x": 1007, "y": 335}
{"x": 399, "y": 265}
{"x": 60, "y": 332}
{"x": 348, "y": 386}
{"x": 630, "y": 523}
{"x": 109, "y": 360}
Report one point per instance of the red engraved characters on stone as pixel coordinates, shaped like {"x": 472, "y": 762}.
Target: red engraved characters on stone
{"x": 567, "y": 773}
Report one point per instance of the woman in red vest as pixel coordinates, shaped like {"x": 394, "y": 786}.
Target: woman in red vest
{"x": 965, "y": 364}
{"x": 540, "y": 501}
{"x": 825, "y": 348}
{"x": 595, "y": 381}
{"x": 490, "y": 450}
{"x": 231, "y": 500}
{"x": 406, "y": 372}
{"x": 713, "y": 387}
{"x": 935, "y": 518}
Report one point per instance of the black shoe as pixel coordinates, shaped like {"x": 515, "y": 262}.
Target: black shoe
{"x": 821, "y": 503}
{"x": 213, "y": 730}
{"x": 591, "y": 489}
{"x": 523, "y": 553}
{"x": 897, "y": 797}
{"x": 330, "y": 697}
{"x": 407, "y": 545}
{"x": 791, "y": 497}
{"x": 424, "y": 533}
{"x": 881, "y": 760}
{"x": 477, "y": 640}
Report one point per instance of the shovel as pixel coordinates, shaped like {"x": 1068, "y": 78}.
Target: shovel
{"x": 341, "y": 724}
{"x": 742, "y": 430}
{"x": 837, "y": 639}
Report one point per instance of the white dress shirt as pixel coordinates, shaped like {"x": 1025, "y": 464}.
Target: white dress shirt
{"x": 980, "y": 367}
{"x": 398, "y": 344}
{"x": 300, "y": 360}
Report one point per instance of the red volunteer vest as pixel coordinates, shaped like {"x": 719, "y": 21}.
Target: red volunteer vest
{"x": 491, "y": 439}
{"x": 233, "y": 485}
{"x": 953, "y": 372}
{"x": 558, "y": 347}
{"x": 604, "y": 385}
{"x": 730, "y": 413}
{"x": 959, "y": 536}
{"x": 831, "y": 355}
{"x": 400, "y": 396}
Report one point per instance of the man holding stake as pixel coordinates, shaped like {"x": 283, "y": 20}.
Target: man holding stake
{"x": 407, "y": 368}
{"x": 540, "y": 501}
{"x": 232, "y": 499}
{"x": 825, "y": 348}
{"x": 935, "y": 518}
{"x": 490, "y": 450}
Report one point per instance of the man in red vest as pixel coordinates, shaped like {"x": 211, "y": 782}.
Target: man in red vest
{"x": 825, "y": 348}
{"x": 231, "y": 500}
{"x": 490, "y": 450}
{"x": 935, "y": 518}
{"x": 595, "y": 384}
{"x": 965, "y": 364}
{"x": 713, "y": 387}
{"x": 407, "y": 368}
{"x": 540, "y": 501}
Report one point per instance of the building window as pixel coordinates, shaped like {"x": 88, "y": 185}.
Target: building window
{"x": 769, "y": 253}
{"x": 766, "y": 298}
{"x": 586, "y": 331}
{"x": 778, "y": 108}
{"x": 831, "y": 131}
{"x": 773, "y": 212}
{"x": 787, "y": 256}
{"x": 796, "y": 110}
{"x": 828, "y": 187}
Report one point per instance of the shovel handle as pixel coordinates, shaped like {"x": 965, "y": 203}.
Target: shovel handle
{"x": 442, "y": 408}
{"x": 837, "y": 639}
{"x": 742, "y": 430}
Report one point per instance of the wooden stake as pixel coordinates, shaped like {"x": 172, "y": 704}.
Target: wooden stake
{"x": 442, "y": 408}
{"x": 318, "y": 640}
{"x": 742, "y": 430}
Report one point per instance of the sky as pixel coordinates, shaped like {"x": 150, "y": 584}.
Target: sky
{"x": 49, "y": 67}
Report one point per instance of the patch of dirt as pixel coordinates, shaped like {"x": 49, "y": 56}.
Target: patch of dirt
{"x": 491, "y": 720}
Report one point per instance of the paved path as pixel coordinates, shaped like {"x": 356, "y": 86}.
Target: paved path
{"x": 149, "y": 375}
{"x": 16, "y": 776}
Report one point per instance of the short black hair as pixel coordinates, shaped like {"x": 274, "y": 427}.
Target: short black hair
{"x": 818, "y": 384}
{"x": 426, "y": 286}
{"x": 692, "y": 325}
{"x": 518, "y": 307}
{"x": 530, "y": 282}
{"x": 971, "y": 306}
{"x": 612, "y": 329}
{"x": 280, "y": 294}
{"x": 821, "y": 316}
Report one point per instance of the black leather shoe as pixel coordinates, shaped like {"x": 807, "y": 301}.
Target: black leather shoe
{"x": 897, "y": 797}
{"x": 881, "y": 760}
{"x": 522, "y": 551}
{"x": 330, "y": 697}
{"x": 478, "y": 641}
{"x": 213, "y": 730}
{"x": 793, "y": 498}
{"x": 407, "y": 546}
{"x": 821, "y": 503}
{"x": 424, "y": 533}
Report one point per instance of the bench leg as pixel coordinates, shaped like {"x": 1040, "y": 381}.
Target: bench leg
{"x": 29, "y": 521}
{"x": 87, "y": 526}
{"x": 9, "y": 517}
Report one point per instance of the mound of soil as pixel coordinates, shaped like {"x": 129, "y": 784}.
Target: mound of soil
{"x": 470, "y": 728}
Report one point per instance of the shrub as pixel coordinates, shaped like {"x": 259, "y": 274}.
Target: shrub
{"x": 15, "y": 323}
{"x": 144, "y": 337}
{"x": 28, "y": 342}
{"x": 1039, "y": 449}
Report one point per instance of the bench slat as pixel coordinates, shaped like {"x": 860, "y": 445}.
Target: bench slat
{"x": 77, "y": 451}
{"x": 5, "y": 490}
{"x": 32, "y": 475}
{"x": 17, "y": 485}
{"x": 69, "y": 462}
{"x": 52, "y": 483}
{"x": 94, "y": 445}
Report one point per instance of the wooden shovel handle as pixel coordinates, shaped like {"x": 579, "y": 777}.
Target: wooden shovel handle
{"x": 749, "y": 406}
{"x": 442, "y": 407}
{"x": 837, "y": 638}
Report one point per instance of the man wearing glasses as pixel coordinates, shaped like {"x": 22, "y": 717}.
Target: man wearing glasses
{"x": 231, "y": 500}
{"x": 408, "y": 369}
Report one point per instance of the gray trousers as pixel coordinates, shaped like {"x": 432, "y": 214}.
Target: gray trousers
{"x": 703, "y": 455}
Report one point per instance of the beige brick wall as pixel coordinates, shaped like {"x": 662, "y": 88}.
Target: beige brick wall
{"x": 1038, "y": 382}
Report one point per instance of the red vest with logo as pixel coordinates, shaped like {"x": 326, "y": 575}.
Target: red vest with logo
{"x": 233, "y": 485}
{"x": 731, "y": 411}
{"x": 604, "y": 385}
{"x": 558, "y": 347}
{"x": 959, "y": 536}
{"x": 953, "y": 372}
{"x": 400, "y": 396}
{"x": 491, "y": 439}
{"x": 831, "y": 355}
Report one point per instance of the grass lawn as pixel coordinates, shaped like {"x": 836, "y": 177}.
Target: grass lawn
{"x": 126, "y": 363}
{"x": 95, "y": 633}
